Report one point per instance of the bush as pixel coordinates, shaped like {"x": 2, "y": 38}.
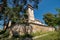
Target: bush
{"x": 4, "y": 34}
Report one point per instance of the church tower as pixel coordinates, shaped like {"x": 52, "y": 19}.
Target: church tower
{"x": 30, "y": 13}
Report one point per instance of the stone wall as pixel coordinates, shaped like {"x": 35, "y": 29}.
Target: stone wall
{"x": 41, "y": 28}
{"x": 32, "y": 28}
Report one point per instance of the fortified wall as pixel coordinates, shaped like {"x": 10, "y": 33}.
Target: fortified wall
{"x": 31, "y": 28}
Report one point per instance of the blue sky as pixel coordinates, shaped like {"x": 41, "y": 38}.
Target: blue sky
{"x": 1, "y": 22}
{"x": 44, "y": 7}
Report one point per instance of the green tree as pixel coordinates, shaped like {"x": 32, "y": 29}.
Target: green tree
{"x": 11, "y": 14}
{"x": 50, "y": 19}
{"x": 58, "y": 17}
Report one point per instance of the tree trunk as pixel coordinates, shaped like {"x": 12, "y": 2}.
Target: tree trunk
{"x": 5, "y": 24}
{"x": 10, "y": 29}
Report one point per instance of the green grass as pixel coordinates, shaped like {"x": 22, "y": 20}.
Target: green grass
{"x": 54, "y": 36}
{"x": 39, "y": 33}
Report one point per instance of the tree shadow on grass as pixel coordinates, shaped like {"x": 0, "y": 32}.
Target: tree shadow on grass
{"x": 27, "y": 37}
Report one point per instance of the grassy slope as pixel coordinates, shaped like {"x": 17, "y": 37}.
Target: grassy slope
{"x": 53, "y": 36}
